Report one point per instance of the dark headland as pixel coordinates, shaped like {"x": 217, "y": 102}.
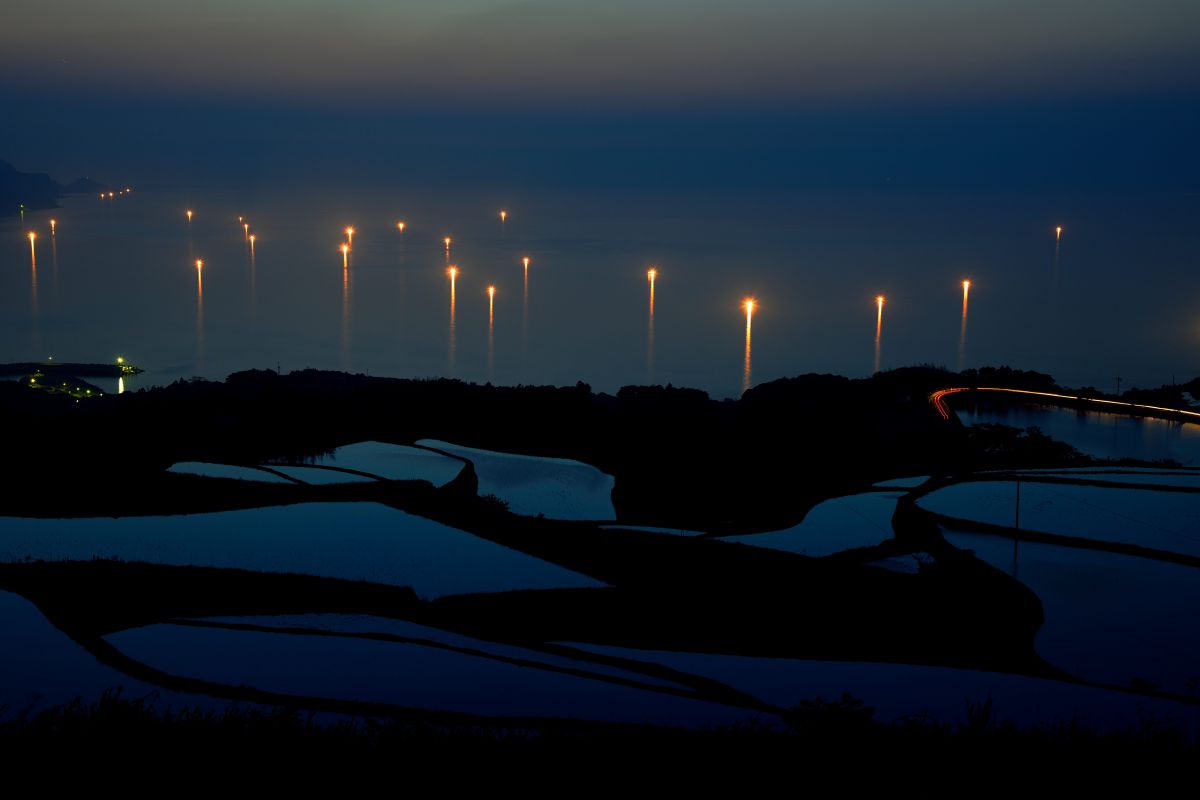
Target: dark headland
{"x": 37, "y": 190}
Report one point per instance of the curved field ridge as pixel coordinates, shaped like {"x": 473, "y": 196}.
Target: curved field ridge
{"x": 841, "y": 523}
{"x": 231, "y": 471}
{"x": 42, "y": 667}
{"x": 354, "y": 541}
{"x": 1110, "y": 618}
{"x": 404, "y": 674}
{"x": 556, "y": 488}
{"x": 1160, "y": 520}
{"x": 393, "y": 462}
{"x": 898, "y": 691}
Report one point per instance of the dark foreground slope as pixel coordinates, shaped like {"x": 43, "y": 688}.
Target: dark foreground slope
{"x": 831, "y": 747}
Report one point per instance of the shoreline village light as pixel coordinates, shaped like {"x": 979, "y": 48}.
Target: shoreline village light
{"x": 345, "y": 253}
{"x": 189, "y": 215}
{"x": 199, "y": 264}
{"x": 400, "y": 226}
{"x": 503, "y": 215}
{"x": 447, "y": 241}
{"x": 350, "y": 235}
{"x": 246, "y": 228}
{"x": 52, "y": 224}
{"x": 1058, "y": 233}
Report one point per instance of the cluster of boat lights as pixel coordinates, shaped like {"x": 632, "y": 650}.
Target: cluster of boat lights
{"x": 749, "y": 305}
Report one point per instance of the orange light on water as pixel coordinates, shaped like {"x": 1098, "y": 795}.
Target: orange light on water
{"x": 1058, "y": 233}
{"x": 447, "y": 241}
{"x": 246, "y": 228}
{"x": 199, "y": 264}
{"x": 749, "y": 304}
{"x": 962, "y": 332}
{"x": 110, "y": 194}
{"x": 189, "y": 215}
{"x": 452, "y": 271}
{"x": 241, "y": 219}
{"x": 878, "y": 329}
{"x": 525, "y": 261}
{"x": 345, "y": 256}
{"x": 52, "y": 224}
{"x": 400, "y": 227}
{"x": 503, "y": 215}
{"x": 491, "y": 351}
{"x": 350, "y": 235}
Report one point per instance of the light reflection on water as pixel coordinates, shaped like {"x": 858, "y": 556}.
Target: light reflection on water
{"x": 809, "y": 258}
{"x": 1097, "y": 434}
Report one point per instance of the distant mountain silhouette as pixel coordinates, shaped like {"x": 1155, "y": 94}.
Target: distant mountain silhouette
{"x": 36, "y": 190}
{"x": 84, "y": 186}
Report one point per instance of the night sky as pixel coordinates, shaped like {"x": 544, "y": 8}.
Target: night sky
{"x": 666, "y": 93}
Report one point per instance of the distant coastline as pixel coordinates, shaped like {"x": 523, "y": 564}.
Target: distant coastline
{"x": 37, "y": 190}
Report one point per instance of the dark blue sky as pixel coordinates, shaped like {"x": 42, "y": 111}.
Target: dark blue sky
{"x": 770, "y": 94}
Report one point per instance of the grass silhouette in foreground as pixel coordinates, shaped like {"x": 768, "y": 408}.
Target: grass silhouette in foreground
{"x": 820, "y": 744}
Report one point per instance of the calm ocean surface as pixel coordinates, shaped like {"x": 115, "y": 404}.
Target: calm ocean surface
{"x": 1119, "y": 295}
